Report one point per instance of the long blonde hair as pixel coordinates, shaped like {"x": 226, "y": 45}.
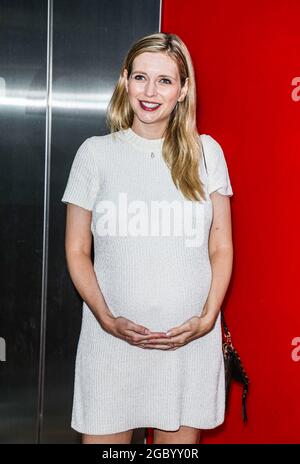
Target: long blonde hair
{"x": 182, "y": 149}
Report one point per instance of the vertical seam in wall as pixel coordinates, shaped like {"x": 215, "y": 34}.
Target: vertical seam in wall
{"x": 48, "y": 124}
{"x": 160, "y": 12}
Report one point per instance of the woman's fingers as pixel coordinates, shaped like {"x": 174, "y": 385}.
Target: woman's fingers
{"x": 178, "y": 335}
{"x": 138, "y": 335}
{"x": 139, "y": 332}
{"x": 179, "y": 339}
{"x": 148, "y": 346}
{"x": 141, "y": 336}
{"x": 140, "y": 329}
{"x": 136, "y": 332}
{"x": 145, "y": 343}
{"x": 136, "y": 338}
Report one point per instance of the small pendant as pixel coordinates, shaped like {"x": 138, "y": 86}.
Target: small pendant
{"x": 152, "y": 154}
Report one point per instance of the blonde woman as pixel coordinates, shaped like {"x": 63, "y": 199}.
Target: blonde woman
{"x": 150, "y": 347}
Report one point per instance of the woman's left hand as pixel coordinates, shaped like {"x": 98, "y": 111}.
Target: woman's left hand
{"x": 193, "y": 328}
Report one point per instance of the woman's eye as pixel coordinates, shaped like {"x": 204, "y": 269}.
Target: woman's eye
{"x": 163, "y": 79}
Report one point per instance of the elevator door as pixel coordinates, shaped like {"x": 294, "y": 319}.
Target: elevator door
{"x": 60, "y": 61}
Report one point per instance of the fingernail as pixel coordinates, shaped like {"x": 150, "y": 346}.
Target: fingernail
{"x": 168, "y": 334}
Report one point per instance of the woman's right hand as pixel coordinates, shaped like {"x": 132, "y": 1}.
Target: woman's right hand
{"x": 134, "y": 334}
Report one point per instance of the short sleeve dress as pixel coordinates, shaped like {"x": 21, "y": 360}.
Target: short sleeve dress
{"x": 152, "y": 265}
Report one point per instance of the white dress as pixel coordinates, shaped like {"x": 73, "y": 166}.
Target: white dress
{"x": 155, "y": 280}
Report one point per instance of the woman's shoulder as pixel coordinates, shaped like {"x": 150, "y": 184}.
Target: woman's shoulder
{"x": 216, "y": 165}
{"x": 208, "y": 139}
{"x": 106, "y": 141}
{"x": 212, "y": 147}
{"x": 99, "y": 139}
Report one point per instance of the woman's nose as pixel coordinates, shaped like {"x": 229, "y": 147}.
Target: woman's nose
{"x": 150, "y": 89}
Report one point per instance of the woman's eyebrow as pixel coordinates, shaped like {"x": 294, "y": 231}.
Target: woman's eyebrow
{"x": 161, "y": 75}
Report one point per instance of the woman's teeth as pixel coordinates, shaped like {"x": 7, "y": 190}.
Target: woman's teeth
{"x": 149, "y": 106}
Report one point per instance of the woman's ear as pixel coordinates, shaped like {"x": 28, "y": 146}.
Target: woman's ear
{"x": 184, "y": 90}
{"x": 125, "y": 76}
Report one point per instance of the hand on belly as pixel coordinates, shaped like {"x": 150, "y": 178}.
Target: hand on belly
{"x": 190, "y": 330}
{"x": 139, "y": 335}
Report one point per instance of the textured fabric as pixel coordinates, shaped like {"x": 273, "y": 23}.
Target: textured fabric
{"x": 157, "y": 281}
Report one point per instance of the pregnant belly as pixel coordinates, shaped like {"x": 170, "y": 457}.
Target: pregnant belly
{"x": 158, "y": 299}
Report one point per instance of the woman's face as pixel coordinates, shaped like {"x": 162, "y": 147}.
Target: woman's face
{"x": 154, "y": 79}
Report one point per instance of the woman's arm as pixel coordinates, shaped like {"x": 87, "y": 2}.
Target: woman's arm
{"x": 78, "y": 239}
{"x": 221, "y": 254}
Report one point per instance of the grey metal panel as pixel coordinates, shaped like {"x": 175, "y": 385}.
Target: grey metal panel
{"x": 23, "y": 36}
{"x": 90, "y": 40}
{"x": 37, "y": 296}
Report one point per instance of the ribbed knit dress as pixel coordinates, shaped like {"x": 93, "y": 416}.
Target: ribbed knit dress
{"x": 156, "y": 279}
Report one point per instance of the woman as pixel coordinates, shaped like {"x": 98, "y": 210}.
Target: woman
{"x": 150, "y": 348}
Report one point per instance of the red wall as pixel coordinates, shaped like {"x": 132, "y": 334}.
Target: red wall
{"x": 247, "y": 62}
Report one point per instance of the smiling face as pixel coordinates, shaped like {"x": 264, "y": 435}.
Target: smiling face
{"x": 153, "y": 90}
